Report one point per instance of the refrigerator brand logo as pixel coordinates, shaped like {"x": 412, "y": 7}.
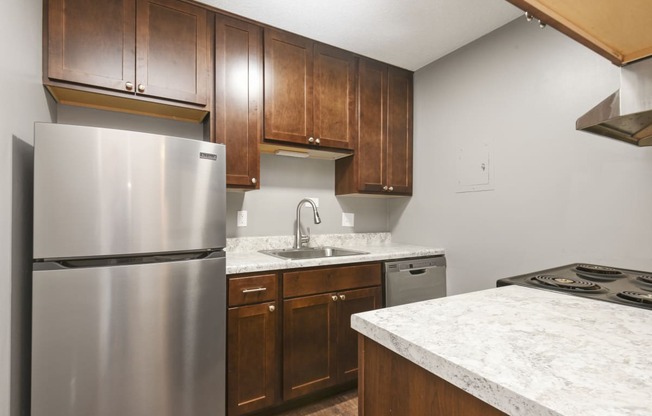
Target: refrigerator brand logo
{"x": 209, "y": 156}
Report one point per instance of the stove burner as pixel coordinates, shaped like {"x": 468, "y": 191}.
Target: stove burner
{"x": 644, "y": 298}
{"x": 598, "y": 272}
{"x": 566, "y": 283}
{"x": 645, "y": 279}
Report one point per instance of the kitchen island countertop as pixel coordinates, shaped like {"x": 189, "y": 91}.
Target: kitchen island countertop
{"x": 527, "y": 352}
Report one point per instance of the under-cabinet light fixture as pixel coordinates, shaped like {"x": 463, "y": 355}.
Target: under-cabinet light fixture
{"x": 290, "y": 153}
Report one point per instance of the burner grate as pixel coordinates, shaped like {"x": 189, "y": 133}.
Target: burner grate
{"x": 566, "y": 283}
{"x": 599, "y": 272}
{"x": 645, "y": 298}
{"x": 645, "y": 278}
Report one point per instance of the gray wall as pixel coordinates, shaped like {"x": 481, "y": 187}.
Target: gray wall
{"x": 560, "y": 196}
{"x": 271, "y": 210}
{"x": 23, "y": 102}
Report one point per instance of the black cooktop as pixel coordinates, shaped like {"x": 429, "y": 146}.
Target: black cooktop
{"x": 609, "y": 284}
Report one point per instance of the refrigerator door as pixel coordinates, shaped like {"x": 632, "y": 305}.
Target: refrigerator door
{"x": 130, "y": 340}
{"x": 104, "y": 192}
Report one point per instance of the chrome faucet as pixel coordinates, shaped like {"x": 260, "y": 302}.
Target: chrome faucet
{"x": 300, "y": 239}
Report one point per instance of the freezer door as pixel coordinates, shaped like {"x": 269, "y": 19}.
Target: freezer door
{"x": 130, "y": 340}
{"x": 104, "y": 192}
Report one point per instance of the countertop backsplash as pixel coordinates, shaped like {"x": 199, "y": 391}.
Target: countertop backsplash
{"x": 249, "y": 244}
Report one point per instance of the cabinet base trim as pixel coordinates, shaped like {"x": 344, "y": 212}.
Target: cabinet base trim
{"x": 124, "y": 104}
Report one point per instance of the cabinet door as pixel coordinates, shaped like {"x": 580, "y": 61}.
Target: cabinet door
{"x": 399, "y": 131}
{"x": 288, "y": 87}
{"x": 238, "y": 98}
{"x": 92, "y": 42}
{"x": 334, "y": 96}
{"x": 172, "y": 51}
{"x": 309, "y": 344}
{"x": 252, "y": 362}
{"x": 372, "y": 126}
{"x": 351, "y": 302}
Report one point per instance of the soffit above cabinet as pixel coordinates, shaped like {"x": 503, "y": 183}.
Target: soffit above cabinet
{"x": 621, "y": 31}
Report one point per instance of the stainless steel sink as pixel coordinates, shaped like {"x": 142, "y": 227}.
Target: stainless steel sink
{"x": 311, "y": 252}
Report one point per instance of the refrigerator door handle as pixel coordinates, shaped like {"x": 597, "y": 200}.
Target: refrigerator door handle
{"x": 125, "y": 261}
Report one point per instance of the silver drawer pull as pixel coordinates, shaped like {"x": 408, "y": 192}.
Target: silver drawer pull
{"x": 258, "y": 289}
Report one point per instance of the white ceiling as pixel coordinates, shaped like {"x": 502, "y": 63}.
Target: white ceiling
{"x": 405, "y": 33}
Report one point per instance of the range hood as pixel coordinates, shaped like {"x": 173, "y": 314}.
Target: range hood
{"x": 626, "y": 114}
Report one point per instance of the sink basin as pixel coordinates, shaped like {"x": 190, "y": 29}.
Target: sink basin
{"x": 311, "y": 253}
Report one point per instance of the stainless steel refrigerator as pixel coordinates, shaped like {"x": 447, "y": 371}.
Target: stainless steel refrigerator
{"x": 129, "y": 299}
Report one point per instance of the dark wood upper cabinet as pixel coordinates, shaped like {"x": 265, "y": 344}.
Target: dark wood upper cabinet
{"x": 91, "y": 42}
{"x": 238, "y": 116}
{"x": 309, "y": 92}
{"x": 288, "y": 87}
{"x": 382, "y": 163}
{"x": 399, "y": 131}
{"x": 105, "y": 54}
{"x": 172, "y": 51}
{"x": 333, "y": 96}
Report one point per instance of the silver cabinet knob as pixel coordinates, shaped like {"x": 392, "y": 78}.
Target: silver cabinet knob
{"x": 342, "y": 297}
{"x": 129, "y": 86}
{"x": 541, "y": 24}
{"x": 317, "y": 141}
{"x": 141, "y": 88}
{"x": 253, "y": 180}
{"x": 385, "y": 188}
{"x": 334, "y": 297}
{"x": 311, "y": 139}
{"x": 272, "y": 308}
{"x": 390, "y": 189}
{"x": 528, "y": 16}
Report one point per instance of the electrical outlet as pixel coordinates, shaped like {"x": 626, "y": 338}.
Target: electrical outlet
{"x": 242, "y": 219}
{"x": 348, "y": 219}
{"x": 314, "y": 200}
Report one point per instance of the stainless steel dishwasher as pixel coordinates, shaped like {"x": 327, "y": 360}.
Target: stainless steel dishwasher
{"x": 414, "y": 280}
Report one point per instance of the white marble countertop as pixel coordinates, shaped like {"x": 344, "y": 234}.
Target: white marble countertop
{"x": 242, "y": 255}
{"x": 527, "y": 352}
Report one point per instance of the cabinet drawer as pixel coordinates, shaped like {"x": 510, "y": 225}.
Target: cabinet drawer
{"x": 252, "y": 289}
{"x": 310, "y": 282}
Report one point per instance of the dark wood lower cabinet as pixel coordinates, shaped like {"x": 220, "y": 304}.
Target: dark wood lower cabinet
{"x": 392, "y": 385}
{"x": 289, "y": 334}
{"x": 319, "y": 346}
{"x": 252, "y": 367}
{"x": 309, "y": 344}
{"x": 352, "y": 302}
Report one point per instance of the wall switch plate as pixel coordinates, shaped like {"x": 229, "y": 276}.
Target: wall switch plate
{"x": 314, "y": 200}
{"x": 242, "y": 219}
{"x": 348, "y": 219}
